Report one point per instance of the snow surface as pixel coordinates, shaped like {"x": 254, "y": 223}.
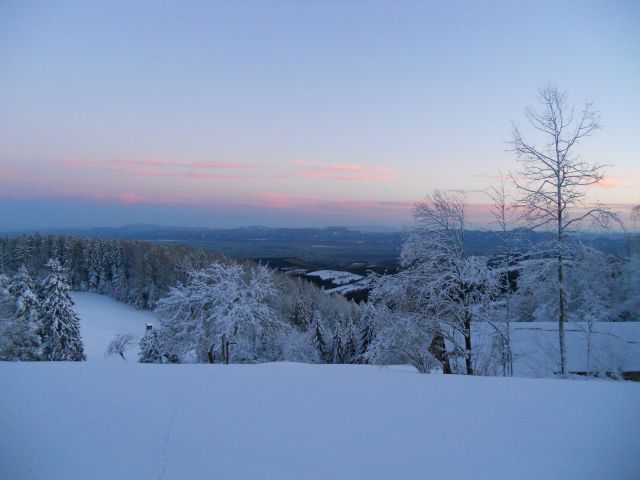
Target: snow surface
{"x": 102, "y": 317}
{"x": 351, "y": 287}
{"x": 615, "y": 346}
{"x": 106, "y": 420}
{"x": 337, "y": 277}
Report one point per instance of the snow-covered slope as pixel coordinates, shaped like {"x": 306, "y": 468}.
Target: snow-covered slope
{"x": 106, "y": 420}
{"x": 102, "y": 317}
{"x": 337, "y": 277}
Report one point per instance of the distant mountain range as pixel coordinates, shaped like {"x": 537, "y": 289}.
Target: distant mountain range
{"x": 353, "y": 249}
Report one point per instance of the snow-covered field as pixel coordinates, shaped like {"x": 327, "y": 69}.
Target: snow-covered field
{"x": 337, "y": 277}
{"x": 115, "y": 419}
{"x": 101, "y": 318}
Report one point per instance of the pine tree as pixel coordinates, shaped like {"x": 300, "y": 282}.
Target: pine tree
{"x": 150, "y": 350}
{"x": 351, "y": 348}
{"x": 319, "y": 339}
{"x": 365, "y": 334}
{"x": 93, "y": 273}
{"x": 55, "y": 248}
{"x": 4, "y": 258}
{"x": 337, "y": 351}
{"x": 23, "y": 250}
{"x": 62, "y": 340}
{"x": 26, "y": 328}
{"x": 301, "y": 313}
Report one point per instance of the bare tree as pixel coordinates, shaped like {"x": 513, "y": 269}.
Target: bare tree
{"x": 120, "y": 344}
{"x": 501, "y": 210}
{"x": 553, "y": 181}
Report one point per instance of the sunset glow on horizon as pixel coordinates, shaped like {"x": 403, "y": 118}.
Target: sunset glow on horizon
{"x": 294, "y": 114}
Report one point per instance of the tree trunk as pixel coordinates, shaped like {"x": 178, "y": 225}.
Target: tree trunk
{"x": 225, "y": 350}
{"x": 561, "y": 316}
{"x": 210, "y": 353}
{"x": 467, "y": 344}
{"x": 561, "y": 313}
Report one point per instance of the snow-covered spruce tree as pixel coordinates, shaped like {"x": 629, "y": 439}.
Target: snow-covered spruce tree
{"x": 320, "y": 338}
{"x": 4, "y": 284}
{"x": 150, "y": 348}
{"x": 23, "y": 251}
{"x": 118, "y": 276}
{"x": 301, "y": 313}
{"x": 366, "y": 332}
{"x": 337, "y": 347}
{"x": 439, "y": 285}
{"x": 221, "y": 308}
{"x": 4, "y": 258}
{"x": 351, "y": 344}
{"x": 6, "y": 312}
{"x": 26, "y": 323}
{"x": 61, "y": 326}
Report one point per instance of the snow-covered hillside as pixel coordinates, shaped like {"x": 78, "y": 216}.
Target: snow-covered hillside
{"x": 337, "y": 277}
{"x": 105, "y": 420}
{"x": 101, "y": 318}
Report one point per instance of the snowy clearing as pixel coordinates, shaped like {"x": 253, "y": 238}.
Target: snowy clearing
{"x": 337, "y": 277}
{"x": 351, "y": 287}
{"x": 106, "y": 420}
{"x": 102, "y": 317}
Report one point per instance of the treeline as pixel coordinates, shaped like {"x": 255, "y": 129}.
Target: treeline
{"x": 151, "y": 276}
{"x": 135, "y": 272}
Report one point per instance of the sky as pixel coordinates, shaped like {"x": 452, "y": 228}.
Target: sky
{"x": 224, "y": 114}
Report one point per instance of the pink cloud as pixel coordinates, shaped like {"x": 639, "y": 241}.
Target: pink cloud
{"x": 157, "y": 168}
{"x": 78, "y": 163}
{"x": 209, "y": 176}
{"x": 157, "y": 162}
{"x": 344, "y": 172}
{"x": 613, "y": 182}
{"x": 140, "y": 172}
{"x": 7, "y": 172}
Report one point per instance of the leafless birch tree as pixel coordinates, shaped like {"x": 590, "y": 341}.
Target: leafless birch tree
{"x": 553, "y": 180}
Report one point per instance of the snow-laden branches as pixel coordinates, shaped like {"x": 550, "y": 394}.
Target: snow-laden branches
{"x": 439, "y": 286}
{"x": 221, "y": 308}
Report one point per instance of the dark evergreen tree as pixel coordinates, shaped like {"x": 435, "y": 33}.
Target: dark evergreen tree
{"x": 319, "y": 339}
{"x": 337, "y": 350}
{"x": 351, "y": 347}
{"x": 301, "y": 314}
{"x": 365, "y": 334}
